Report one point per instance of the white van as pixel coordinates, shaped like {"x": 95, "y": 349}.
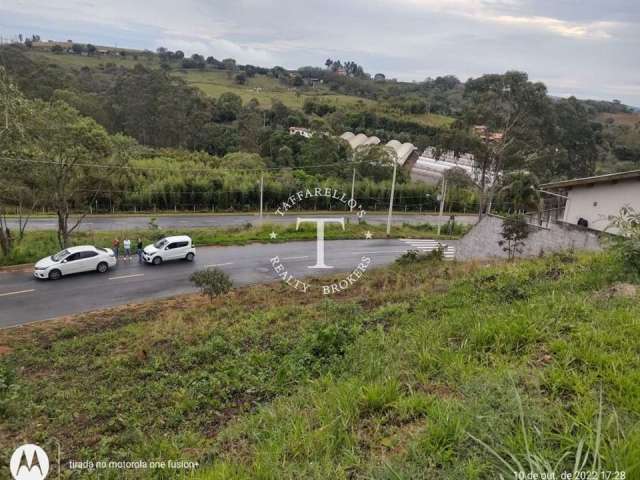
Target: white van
{"x": 179, "y": 247}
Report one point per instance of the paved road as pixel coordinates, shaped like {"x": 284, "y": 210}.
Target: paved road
{"x": 123, "y": 222}
{"x": 24, "y": 299}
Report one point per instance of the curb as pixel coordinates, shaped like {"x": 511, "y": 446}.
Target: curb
{"x": 23, "y": 267}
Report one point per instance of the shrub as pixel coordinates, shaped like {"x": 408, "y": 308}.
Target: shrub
{"x": 413, "y": 256}
{"x": 626, "y": 246}
{"x": 515, "y": 230}
{"x": 212, "y": 282}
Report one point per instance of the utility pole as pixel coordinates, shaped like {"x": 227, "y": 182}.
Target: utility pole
{"x": 261, "y": 194}
{"x": 442, "y": 197}
{"x": 353, "y": 188}
{"x": 393, "y": 190}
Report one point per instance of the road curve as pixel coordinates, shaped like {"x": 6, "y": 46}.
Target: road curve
{"x": 23, "y": 299}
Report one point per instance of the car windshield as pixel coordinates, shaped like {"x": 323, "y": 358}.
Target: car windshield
{"x": 60, "y": 255}
{"x": 160, "y": 243}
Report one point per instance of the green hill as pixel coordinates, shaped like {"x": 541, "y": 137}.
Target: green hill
{"x": 215, "y": 82}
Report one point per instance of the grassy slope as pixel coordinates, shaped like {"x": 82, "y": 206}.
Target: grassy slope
{"x": 386, "y": 380}
{"x": 216, "y": 82}
{"x": 629, "y": 119}
{"x": 39, "y": 243}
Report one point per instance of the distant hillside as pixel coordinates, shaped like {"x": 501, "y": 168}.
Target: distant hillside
{"x": 214, "y": 82}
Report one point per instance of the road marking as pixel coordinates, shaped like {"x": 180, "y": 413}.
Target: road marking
{"x": 295, "y": 258}
{"x": 127, "y": 276}
{"x": 218, "y": 265}
{"x": 16, "y": 293}
{"x": 379, "y": 251}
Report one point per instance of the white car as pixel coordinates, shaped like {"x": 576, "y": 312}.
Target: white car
{"x": 86, "y": 258}
{"x": 169, "y": 248}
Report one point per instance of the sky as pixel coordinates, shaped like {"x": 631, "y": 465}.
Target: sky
{"x": 590, "y": 48}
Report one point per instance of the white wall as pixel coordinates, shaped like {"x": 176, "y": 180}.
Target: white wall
{"x": 597, "y": 202}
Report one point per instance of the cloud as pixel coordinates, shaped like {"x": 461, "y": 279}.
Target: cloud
{"x": 566, "y": 29}
{"x": 588, "y": 49}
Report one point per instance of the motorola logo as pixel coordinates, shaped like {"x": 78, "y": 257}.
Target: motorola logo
{"x": 29, "y": 462}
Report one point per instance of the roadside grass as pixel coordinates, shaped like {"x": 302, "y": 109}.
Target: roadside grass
{"x": 421, "y": 370}
{"x": 37, "y": 244}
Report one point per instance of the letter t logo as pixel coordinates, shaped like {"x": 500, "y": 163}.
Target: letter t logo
{"x": 320, "y": 222}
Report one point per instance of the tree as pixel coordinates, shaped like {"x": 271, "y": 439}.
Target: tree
{"x": 57, "y": 49}
{"x": 228, "y": 107}
{"x": 626, "y": 245}
{"x": 374, "y": 162}
{"x": 77, "y": 48}
{"x": 229, "y": 64}
{"x": 520, "y": 191}
{"x": 574, "y": 137}
{"x": 73, "y": 159}
{"x": 91, "y": 49}
{"x": 179, "y": 54}
{"x": 515, "y": 230}
{"x": 212, "y": 282}
{"x": 16, "y": 189}
{"x": 240, "y": 78}
{"x": 516, "y": 113}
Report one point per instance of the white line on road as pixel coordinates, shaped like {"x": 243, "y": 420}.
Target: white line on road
{"x": 380, "y": 251}
{"x": 127, "y": 276}
{"x": 295, "y": 258}
{"x": 16, "y": 293}
{"x": 218, "y": 265}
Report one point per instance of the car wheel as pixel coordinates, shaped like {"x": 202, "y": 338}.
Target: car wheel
{"x": 189, "y": 257}
{"x": 157, "y": 261}
{"x": 55, "y": 275}
{"x": 102, "y": 267}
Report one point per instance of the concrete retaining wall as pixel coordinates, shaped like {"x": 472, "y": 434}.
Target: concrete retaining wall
{"x": 482, "y": 240}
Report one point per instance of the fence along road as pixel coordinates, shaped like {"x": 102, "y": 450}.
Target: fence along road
{"x": 129, "y": 222}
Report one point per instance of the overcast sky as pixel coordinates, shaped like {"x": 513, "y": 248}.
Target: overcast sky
{"x": 585, "y": 48}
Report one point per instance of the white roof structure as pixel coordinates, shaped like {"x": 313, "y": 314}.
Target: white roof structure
{"x": 399, "y": 151}
{"x": 430, "y": 168}
{"x": 361, "y": 139}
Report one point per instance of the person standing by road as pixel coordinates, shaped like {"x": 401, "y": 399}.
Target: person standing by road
{"x": 116, "y": 246}
{"x": 127, "y": 249}
{"x": 139, "y": 250}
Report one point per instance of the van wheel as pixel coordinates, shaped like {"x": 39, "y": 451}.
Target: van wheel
{"x": 55, "y": 275}
{"x": 102, "y": 267}
{"x": 157, "y": 261}
{"x": 189, "y": 257}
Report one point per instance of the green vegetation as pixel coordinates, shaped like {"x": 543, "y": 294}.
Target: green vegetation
{"x": 422, "y": 370}
{"x": 212, "y": 282}
{"x": 37, "y": 244}
{"x": 265, "y": 89}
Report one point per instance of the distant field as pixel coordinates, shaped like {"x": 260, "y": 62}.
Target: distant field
{"x": 78, "y": 61}
{"x": 263, "y": 88}
{"x": 630, "y": 119}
